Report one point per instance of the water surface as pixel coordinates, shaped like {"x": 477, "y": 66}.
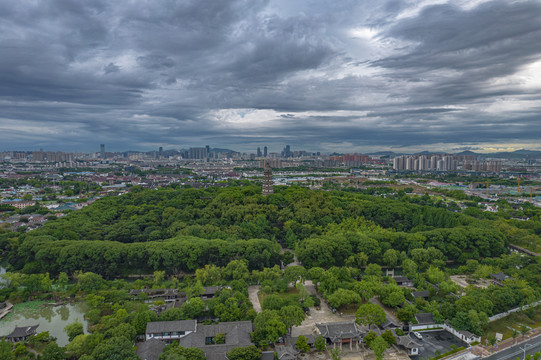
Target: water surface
{"x": 50, "y": 318}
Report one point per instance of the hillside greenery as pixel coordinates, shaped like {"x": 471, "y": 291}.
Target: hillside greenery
{"x": 184, "y": 229}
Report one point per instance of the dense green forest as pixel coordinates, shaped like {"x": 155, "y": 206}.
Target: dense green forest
{"x": 185, "y": 229}
{"x": 235, "y": 236}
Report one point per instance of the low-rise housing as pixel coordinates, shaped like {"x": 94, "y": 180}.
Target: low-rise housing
{"x": 411, "y": 346}
{"x": 215, "y": 340}
{"x": 403, "y": 281}
{"x": 499, "y": 278}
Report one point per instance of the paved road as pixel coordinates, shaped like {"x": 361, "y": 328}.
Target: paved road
{"x": 532, "y": 346}
{"x": 389, "y": 313}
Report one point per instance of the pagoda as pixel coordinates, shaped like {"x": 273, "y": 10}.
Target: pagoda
{"x": 268, "y": 183}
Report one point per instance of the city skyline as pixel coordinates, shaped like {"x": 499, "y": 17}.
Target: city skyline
{"x": 355, "y": 76}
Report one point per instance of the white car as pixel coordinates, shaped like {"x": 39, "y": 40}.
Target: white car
{"x": 418, "y": 335}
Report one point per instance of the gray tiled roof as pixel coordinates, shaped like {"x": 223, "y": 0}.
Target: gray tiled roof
{"x": 389, "y": 323}
{"x": 500, "y": 276}
{"x": 424, "y": 318}
{"x": 267, "y": 355}
{"x": 466, "y": 333}
{"x": 311, "y": 339}
{"x": 169, "y": 326}
{"x": 237, "y": 334}
{"x": 421, "y": 294}
{"x": 150, "y": 349}
{"x": 286, "y": 352}
{"x": 340, "y": 330}
{"x": 211, "y": 290}
{"x": 23, "y": 331}
{"x": 407, "y": 342}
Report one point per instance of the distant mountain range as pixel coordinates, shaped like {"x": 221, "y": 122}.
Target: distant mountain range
{"x": 519, "y": 154}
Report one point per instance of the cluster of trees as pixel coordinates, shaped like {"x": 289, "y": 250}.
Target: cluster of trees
{"x": 356, "y": 243}
{"x": 42, "y": 343}
{"x": 115, "y": 320}
{"x": 186, "y": 229}
{"x": 227, "y": 305}
{"x": 45, "y": 254}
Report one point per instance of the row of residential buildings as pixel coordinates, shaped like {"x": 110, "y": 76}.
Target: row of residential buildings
{"x": 425, "y": 163}
{"x": 443, "y": 163}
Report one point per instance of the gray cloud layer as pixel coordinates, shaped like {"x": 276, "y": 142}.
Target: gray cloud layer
{"x": 244, "y": 73}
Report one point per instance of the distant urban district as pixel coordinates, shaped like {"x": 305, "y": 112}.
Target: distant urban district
{"x": 213, "y": 254}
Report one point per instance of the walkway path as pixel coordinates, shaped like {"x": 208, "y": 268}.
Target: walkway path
{"x": 6, "y": 310}
{"x": 252, "y": 295}
{"x": 389, "y": 313}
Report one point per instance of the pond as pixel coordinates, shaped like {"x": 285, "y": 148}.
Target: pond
{"x": 50, "y": 318}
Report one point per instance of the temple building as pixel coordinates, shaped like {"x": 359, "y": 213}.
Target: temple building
{"x": 268, "y": 183}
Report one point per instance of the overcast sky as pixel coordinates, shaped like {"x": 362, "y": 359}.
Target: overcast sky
{"x": 400, "y": 75}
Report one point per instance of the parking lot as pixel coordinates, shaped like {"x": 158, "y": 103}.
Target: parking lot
{"x": 436, "y": 341}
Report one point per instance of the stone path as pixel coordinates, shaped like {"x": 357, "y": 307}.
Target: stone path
{"x": 6, "y": 310}
{"x": 252, "y": 295}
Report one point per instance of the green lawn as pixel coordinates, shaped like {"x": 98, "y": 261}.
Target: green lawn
{"x": 290, "y": 291}
{"x": 348, "y": 309}
{"x": 531, "y": 318}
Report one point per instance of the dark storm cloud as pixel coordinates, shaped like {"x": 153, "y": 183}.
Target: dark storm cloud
{"x": 185, "y": 73}
{"x": 492, "y": 40}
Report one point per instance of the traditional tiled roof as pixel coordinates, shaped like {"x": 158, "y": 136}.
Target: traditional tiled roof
{"x": 424, "y": 318}
{"x": 466, "y": 333}
{"x": 311, "y": 339}
{"x": 421, "y": 294}
{"x": 267, "y": 355}
{"x": 211, "y": 290}
{"x": 407, "y": 342}
{"x": 237, "y": 334}
{"x": 401, "y": 279}
{"x": 389, "y": 323}
{"x": 23, "y": 331}
{"x": 154, "y": 327}
{"x": 150, "y": 349}
{"x": 286, "y": 352}
{"x": 500, "y": 276}
{"x": 340, "y": 330}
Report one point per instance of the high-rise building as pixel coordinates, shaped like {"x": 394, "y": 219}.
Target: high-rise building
{"x": 102, "y": 151}
{"x": 434, "y": 162}
{"x": 265, "y": 151}
{"x": 259, "y": 152}
{"x": 286, "y": 152}
{"x": 198, "y": 153}
{"x": 399, "y": 163}
{"x": 274, "y": 163}
{"x": 38, "y": 155}
{"x": 268, "y": 183}
{"x": 409, "y": 163}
